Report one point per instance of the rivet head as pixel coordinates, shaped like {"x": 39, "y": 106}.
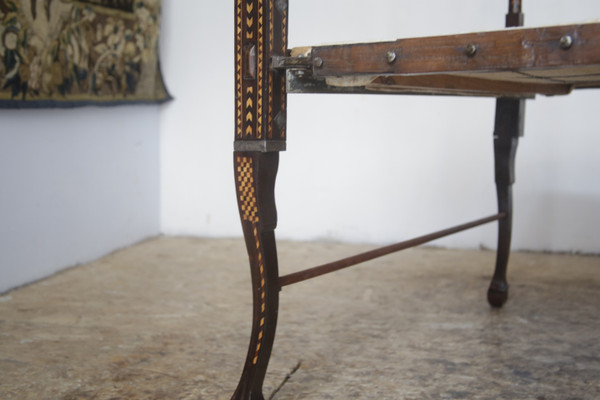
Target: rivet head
{"x": 390, "y": 56}
{"x": 471, "y": 50}
{"x": 318, "y": 62}
{"x": 566, "y": 42}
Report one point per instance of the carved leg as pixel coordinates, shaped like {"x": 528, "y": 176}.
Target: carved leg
{"x": 508, "y": 127}
{"x": 255, "y": 174}
{"x": 260, "y": 115}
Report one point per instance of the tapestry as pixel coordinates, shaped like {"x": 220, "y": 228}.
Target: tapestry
{"x": 67, "y": 53}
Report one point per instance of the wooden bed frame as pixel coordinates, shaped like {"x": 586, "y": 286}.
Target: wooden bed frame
{"x": 510, "y": 65}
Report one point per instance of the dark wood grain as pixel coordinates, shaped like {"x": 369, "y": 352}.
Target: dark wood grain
{"x": 512, "y": 49}
{"x": 495, "y": 63}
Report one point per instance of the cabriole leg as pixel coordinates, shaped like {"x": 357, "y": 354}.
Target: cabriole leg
{"x": 508, "y": 127}
{"x": 255, "y": 181}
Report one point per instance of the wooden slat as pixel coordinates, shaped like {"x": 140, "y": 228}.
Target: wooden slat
{"x": 466, "y": 85}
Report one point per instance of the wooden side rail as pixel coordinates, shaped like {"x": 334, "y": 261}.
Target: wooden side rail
{"x": 519, "y": 62}
{"x": 543, "y": 48}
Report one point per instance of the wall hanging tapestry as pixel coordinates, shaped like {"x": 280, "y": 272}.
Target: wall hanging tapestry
{"x": 66, "y": 53}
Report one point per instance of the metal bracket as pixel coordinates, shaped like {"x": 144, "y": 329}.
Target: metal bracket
{"x": 301, "y": 81}
{"x": 263, "y": 146}
{"x": 298, "y": 63}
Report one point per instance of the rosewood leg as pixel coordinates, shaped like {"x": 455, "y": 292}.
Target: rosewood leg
{"x": 260, "y": 104}
{"x": 255, "y": 181}
{"x": 508, "y": 127}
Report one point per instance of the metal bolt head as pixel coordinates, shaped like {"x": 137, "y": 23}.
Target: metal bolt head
{"x": 566, "y": 42}
{"x": 318, "y": 62}
{"x": 471, "y": 50}
{"x": 390, "y": 56}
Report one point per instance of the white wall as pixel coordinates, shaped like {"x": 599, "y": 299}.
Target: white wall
{"x": 74, "y": 185}
{"x": 377, "y": 169}
{"x": 197, "y": 194}
{"x": 423, "y": 164}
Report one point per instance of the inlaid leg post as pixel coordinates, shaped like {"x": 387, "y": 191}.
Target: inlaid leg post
{"x": 508, "y": 127}
{"x": 255, "y": 181}
{"x": 260, "y": 133}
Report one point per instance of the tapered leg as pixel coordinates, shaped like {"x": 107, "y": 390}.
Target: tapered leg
{"x": 255, "y": 174}
{"x": 508, "y": 127}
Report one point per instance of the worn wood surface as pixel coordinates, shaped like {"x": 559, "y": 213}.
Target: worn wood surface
{"x": 516, "y": 62}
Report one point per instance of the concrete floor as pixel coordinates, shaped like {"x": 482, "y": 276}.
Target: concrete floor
{"x": 170, "y": 319}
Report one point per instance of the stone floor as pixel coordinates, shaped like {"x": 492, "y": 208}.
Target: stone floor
{"x": 170, "y": 319}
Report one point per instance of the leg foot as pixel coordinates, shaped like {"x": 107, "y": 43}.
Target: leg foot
{"x": 497, "y": 293}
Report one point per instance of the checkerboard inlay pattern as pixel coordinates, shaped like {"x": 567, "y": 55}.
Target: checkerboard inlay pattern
{"x": 246, "y": 191}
